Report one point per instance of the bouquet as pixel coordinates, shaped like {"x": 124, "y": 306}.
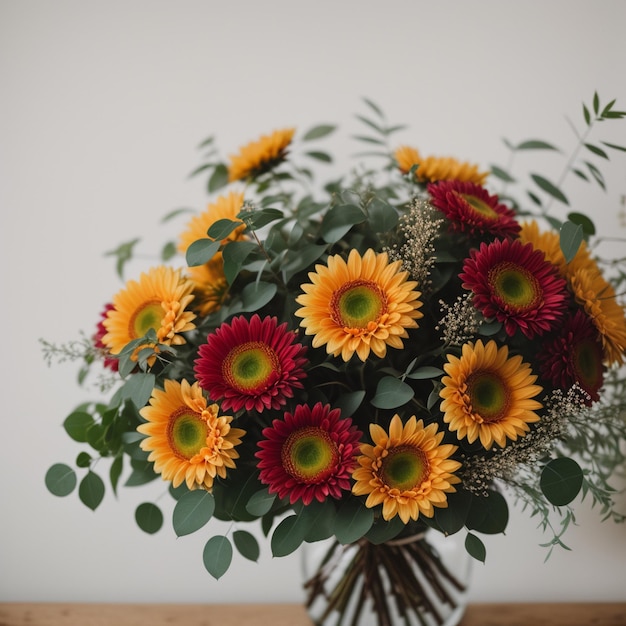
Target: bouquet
{"x": 370, "y": 359}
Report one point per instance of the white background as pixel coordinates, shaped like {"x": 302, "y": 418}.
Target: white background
{"x": 102, "y": 105}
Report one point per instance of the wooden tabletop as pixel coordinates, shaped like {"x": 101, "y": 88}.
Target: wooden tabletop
{"x": 61, "y": 614}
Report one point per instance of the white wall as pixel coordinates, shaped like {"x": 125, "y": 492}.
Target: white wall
{"x": 101, "y": 107}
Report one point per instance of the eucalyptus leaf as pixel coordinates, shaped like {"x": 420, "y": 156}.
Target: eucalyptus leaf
{"x": 77, "y": 425}
{"x": 256, "y": 295}
{"x": 426, "y": 371}
{"x": 596, "y": 150}
{"x": 260, "y": 503}
{"x": 535, "y": 144}
{"x": 324, "y": 157}
{"x": 149, "y": 517}
{"x": 287, "y": 536}
{"x": 317, "y": 132}
{"x": 138, "y": 388}
{"x": 570, "y": 238}
{"x": 218, "y": 179}
{"x": 217, "y": 555}
{"x": 353, "y": 520}
{"x": 549, "y": 188}
{"x": 383, "y": 217}
{"x": 91, "y": 490}
{"x": 339, "y": 220}
{"x": 247, "y": 545}
{"x": 261, "y": 217}
{"x": 349, "y": 402}
{"x": 60, "y": 479}
{"x": 220, "y": 229}
{"x": 234, "y": 254}
{"x": 584, "y": 221}
{"x": 561, "y": 480}
{"x": 192, "y": 511}
{"x": 498, "y": 172}
{"x": 391, "y": 393}
{"x": 475, "y": 547}
{"x": 201, "y": 252}
{"x": 115, "y": 471}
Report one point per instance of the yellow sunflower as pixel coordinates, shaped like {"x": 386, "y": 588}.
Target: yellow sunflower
{"x": 488, "y": 395}
{"x": 408, "y": 471}
{"x": 432, "y": 168}
{"x": 363, "y": 304}
{"x": 260, "y": 156}
{"x": 187, "y": 440}
{"x": 157, "y": 301}
{"x": 210, "y": 285}
{"x": 598, "y": 298}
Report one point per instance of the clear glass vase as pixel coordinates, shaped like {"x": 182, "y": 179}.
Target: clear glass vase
{"x": 420, "y": 580}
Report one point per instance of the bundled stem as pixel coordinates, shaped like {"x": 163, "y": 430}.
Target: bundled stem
{"x": 402, "y": 578}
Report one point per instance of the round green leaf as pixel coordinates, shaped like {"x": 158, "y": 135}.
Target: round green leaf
{"x": 488, "y": 515}
{"x": 217, "y": 555}
{"x": 353, "y": 520}
{"x": 83, "y": 459}
{"x": 60, "y": 479}
{"x": 256, "y": 295}
{"x": 77, "y": 425}
{"x": 286, "y": 538}
{"x": 149, "y": 517}
{"x": 391, "y": 393}
{"x": 339, "y": 220}
{"x": 561, "y": 480}
{"x": 584, "y": 221}
{"x": 192, "y": 511}
{"x": 570, "y": 238}
{"x": 201, "y": 251}
{"x": 91, "y": 490}
{"x": 246, "y": 545}
{"x": 260, "y": 503}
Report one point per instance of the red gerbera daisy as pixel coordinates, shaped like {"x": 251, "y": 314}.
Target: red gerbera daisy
{"x": 251, "y": 364}
{"x": 513, "y": 283}
{"x": 309, "y": 454}
{"x": 575, "y": 356}
{"x": 470, "y": 208}
{"x": 101, "y": 331}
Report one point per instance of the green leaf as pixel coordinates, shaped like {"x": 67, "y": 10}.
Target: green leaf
{"x": 143, "y": 472}
{"x": 220, "y": 229}
{"x": 584, "y": 221}
{"x": 246, "y": 545}
{"x": 149, "y": 517}
{"x": 535, "y": 144}
{"x": 488, "y": 329}
{"x": 234, "y": 254}
{"x": 425, "y": 372}
{"x": 599, "y": 151}
{"x": 349, "y": 402}
{"x": 391, "y": 393}
{"x": 175, "y": 213}
{"x": 124, "y": 253}
{"x": 318, "y": 132}
{"x": 372, "y": 105}
{"x": 597, "y": 175}
{"x": 570, "y": 238}
{"x": 192, "y": 511}
{"x": 83, "y": 460}
{"x": 561, "y": 480}
{"x": 339, "y": 220}
{"x": 287, "y": 536}
{"x": 324, "y": 157}
{"x": 77, "y": 425}
{"x": 382, "y": 216}
{"x": 296, "y": 260}
{"x": 201, "y": 252}
{"x": 91, "y": 490}
{"x": 475, "y": 547}
{"x": 138, "y": 388}
{"x": 488, "y": 515}
{"x": 60, "y": 479}
{"x": 218, "y": 179}
{"x": 580, "y": 174}
{"x": 217, "y": 556}
{"x": 352, "y": 521}
{"x": 260, "y": 503}
{"x": 168, "y": 251}
{"x": 453, "y": 517}
{"x": 586, "y": 114}
{"x": 498, "y": 172}
{"x": 383, "y": 531}
{"x": 116, "y": 471}
{"x": 321, "y": 520}
{"x": 549, "y": 188}
{"x": 261, "y": 217}
{"x": 596, "y": 103}
{"x": 256, "y": 295}
{"x": 614, "y": 146}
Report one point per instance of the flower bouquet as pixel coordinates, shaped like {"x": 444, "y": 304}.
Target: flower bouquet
{"x": 370, "y": 362}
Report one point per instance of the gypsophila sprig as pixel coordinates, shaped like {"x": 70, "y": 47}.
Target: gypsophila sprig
{"x": 369, "y": 356}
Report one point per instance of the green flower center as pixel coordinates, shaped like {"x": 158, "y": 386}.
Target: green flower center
{"x": 517, "y": 288}
{"x": 187, "y": 433}
{"x": 489, "y": 396}
{"x": 404, "y": 468}
{"x": 309, "y": 455}
{"x": 251, "y": 367}
{"x": 479, "y": 206}
{"x": 357, "y": 304}
{"x": 148, "y": 316}
{"x": 587, "y": 363}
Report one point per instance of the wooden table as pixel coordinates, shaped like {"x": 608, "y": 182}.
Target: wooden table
{"x": 60, "y": 614}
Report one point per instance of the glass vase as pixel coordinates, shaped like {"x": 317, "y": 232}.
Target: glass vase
{"x": 419, "y": 580}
